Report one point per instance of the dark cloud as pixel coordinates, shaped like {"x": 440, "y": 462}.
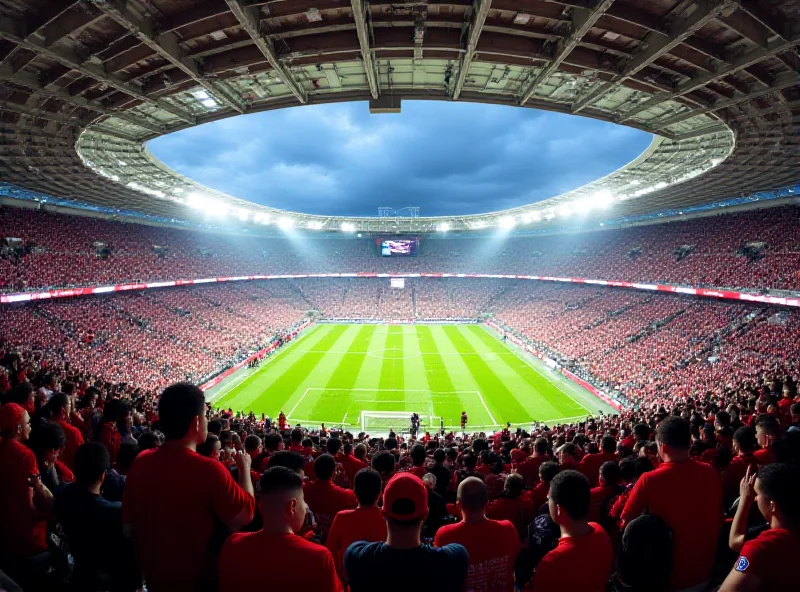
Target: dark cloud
{"x": 446, "y": 158}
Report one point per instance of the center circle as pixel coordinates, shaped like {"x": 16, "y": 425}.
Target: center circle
{"x": 394, "y": 353}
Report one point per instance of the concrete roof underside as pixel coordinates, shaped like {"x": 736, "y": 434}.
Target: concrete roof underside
{"x": 83, "y": 84}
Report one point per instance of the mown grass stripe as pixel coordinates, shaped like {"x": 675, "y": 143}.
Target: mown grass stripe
{"x": 494, "y": 391}
{"x": 435, "y": 368}
{"x": 392, "y": 378}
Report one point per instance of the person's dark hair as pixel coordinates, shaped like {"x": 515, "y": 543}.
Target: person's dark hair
{"x": 383, "y": 462}
{"x": 794, "y": 409}
{"x": 609, "y": 444}
{"x": 642, "y": 465}
{"x": 439, "y": 455}
{"x": 128, "y": 451}
{"x": 390, "y": 443}
{"x": 641, "y": 431}
{"x": 609, "y": 472}
{"x": 179, "y": 404}
{"x": 570, "y": 449}
{"x": 67, "y": 388}
{"x": 149, "y": 440}
{"x": 296, "y": 436}
{"x": 627, "y": 469}
{"x": 21, "y": 393}
{"x": 781, "y": 483}
{"x": 272, "y": 441}
{"x": 540, "y": 446}
{"x": 571, "y": 491}
{"x": 417, "y": 454}
{"x": 278, "y": 479}
{"x": 324, "y": 467}
{"x": 645, "y": 556}
{"x": 251, "y": 443}
{"x": 769, "y": 424}
{"x": 333, "y": 446}
{"x": 215, "y": 427}
{"x": 91, "y": 462}
{"x": 57, "y": 402}
{"x": 745, "y": 439}
{"x": 674, "y": 432}
{"x": 723, "y": 418}
{"x": 479, "y": 445}
{"x": 548, "y": 470}
{"x": 47, "y": 436}
{"x": 115, "y": 409}
{"x": 367, "y": 486}
{"x": 470, "y": 461}
{"x": 515, "y": 485}
{"x": 288, "y": 459}
{"x": 207, "y": 448}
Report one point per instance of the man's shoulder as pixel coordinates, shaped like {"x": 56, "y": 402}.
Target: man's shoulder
{"x": 360, "y": 549}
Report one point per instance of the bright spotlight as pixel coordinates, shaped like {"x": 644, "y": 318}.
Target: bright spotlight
{"x": 285, "y": 222}
{"x": 507, "y": 222}
{"x": 479, "y": 224}
{"x": 348, "y": 227}
{"x": 242, "y": 214}
{"x": 316, "y": 225}
{"x": 660, "y": 185}
{"x": 565, "y": 210}
{"x": 443, "y": 227}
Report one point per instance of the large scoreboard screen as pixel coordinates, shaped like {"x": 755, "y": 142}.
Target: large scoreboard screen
{"x": 405, "y": 247}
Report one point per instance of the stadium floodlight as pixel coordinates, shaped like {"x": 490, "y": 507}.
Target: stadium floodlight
{"x": 660, "y": 185}
{"x": 261, "y": 218}
{"x": 316, "y": 225}
{"x": 507, "y": 222}
{"x": 443, "y": 227}
{"x": 565, "y": 210}
{"x": 348, "y": 227}
{"x": 479, "y": 224}
{"x": 599, "y": 199}
{"x": 285, "y": 222}
{"x": 242, "y": 214}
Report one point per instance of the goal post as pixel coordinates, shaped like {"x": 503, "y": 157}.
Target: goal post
{"x": 381, "y": 422}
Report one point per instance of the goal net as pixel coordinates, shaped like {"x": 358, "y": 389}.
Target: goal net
{"x": 382, "y": 422}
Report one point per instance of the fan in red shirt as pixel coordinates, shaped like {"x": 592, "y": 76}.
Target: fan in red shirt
{"x": 687, "y": 495}
{"x": 174, "y": 498}
{"x": 365, "y": 523}
{"x": 547, "y": 471}
{"x": 275, "y": 557}
{"x": 768, "y": 430}
{"x": 767, "y": 563}
{"x": 114, "y": 412}
{"x": 418, "y": 459}
{"x": 23, "y": 497}
{"x": 568, "y": 457}
{"x": 591, "y": 463}
{"x": 744, "y": 444}
{"x": 514, "y": 504}
{"x": 492, "y": 545}
{"x": 603, "y": 496}
{"x": 324, "y": 498}
{"x": 529, "y": 469}
{"x": 584, "y": 556}
{"x": 353, "y": 460}
{"x": 60, "y": 406}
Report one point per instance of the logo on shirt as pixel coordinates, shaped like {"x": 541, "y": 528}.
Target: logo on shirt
{"x": 742, "y": 564}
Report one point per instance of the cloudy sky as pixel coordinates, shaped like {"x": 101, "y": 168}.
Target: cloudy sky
{"x": 446, "y": 158}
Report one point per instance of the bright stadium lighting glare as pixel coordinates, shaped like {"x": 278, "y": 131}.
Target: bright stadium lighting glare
{"x": 565, "y": 210}
{"x": 443, "y": 227}
{"x": 635, "y": 182}
{"x": 660, "y": 185}
{"x": 242, "y": 214}
{"x": 599, "y": 199}
{"x": 315, "y": 225}
{"x": 479, "y": 224}
{"x": 507, "y": 222}
{"x": 348, "y": 227}
{"x": 285, "y": 222}
{"x": 261, "y": 218}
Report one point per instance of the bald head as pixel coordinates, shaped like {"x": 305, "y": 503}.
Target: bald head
{"x": 472, "y": 495}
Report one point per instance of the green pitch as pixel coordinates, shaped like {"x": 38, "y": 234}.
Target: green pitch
{"x": 352, "y": 374}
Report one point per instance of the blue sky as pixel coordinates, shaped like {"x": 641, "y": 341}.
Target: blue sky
{"x": 446, "y": 158}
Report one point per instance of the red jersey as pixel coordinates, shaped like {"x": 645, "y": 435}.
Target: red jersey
{"x": 687, "y": 495}
{"x": 582, "y": 563}
{"x": 173, "y": 499}
{"x": 261, "y": 561}
{"x": 518, "y": 511}
{"x": 734, "y": 474}
{"x": 23, "y": 530}
{"x": 110, "y": 438}
{"x": 591, "y": 463}
{"x": 74, "y": 439}
{"x": 326, "y": 500}
{"x": 601, "y": 502}
{"x": 349, "y": 526}
{"x": 529, "y": 469}
{"x": 351, "y": 466}
{"x": 765, "y": 456}
{"x": 540, "y": 494}
{"x": 418, "y": 471}
{"x": 771, "y": 556}
{"x": 493, "y": 547}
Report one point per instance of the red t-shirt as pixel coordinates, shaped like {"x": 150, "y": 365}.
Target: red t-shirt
{"x": 765, "y": 456}
{"x": 260, "y": 561}
{"x": 734, "y": 474}
{"x": 418, "y": 471}
{"x": 74, "y": 439}
{"x": 349, "y": 526}
{"x": 539, "y": 495}
{"x": 493, "y": 547}
{"x": 326, "y": 500}
{"x": 518, "y": 511}
{"x": 582, "y": 563}
{"x": 599, "y": 497}
{"x": 771, "y": 556}
{"x": 23, "y": 531}
{"x": 351, "y": 466}
{"x": 530, "y": 468}
{"x": 173, "y": 499}
{"x": 687, "y": 495}
{"x": 591, "y": 463}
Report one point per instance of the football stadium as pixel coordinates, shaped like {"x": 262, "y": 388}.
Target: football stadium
{"x": 487, "y": 295}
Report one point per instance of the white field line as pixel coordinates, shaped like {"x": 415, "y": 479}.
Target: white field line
{"x": 300, "y": 400}
{"x": 344, "y": 419}
{"x": 494, "y": 421}
{"x": 551, "y": 381}
{"x": 255, "y": 371}
{"x": 416, "y": 353}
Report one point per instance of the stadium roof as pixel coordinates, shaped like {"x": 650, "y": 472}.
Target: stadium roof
{"x": 84, "y": 83}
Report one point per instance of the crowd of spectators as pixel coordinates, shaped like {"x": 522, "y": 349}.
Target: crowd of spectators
{"x": 753, "y": 250}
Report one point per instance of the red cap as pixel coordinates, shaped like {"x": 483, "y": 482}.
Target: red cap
{"x": 405, "y": 498}
{"x": 11, "y": 416}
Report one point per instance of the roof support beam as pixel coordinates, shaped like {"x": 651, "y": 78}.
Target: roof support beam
{"x": 776, "y": 27}
{"x": 480, "y": 10}
{"x": 248, "y": 17}
{"x": 656, "y": 45}
{"x": 41, "y": 114}
{"x": 744, "y": 61}
{"x": 361, "y": 15}
{"x": 166, "y": 45}
{"x": 583, "y": 19}
{"x": 783, "y": 81}
{"x": 10, "y": 30}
